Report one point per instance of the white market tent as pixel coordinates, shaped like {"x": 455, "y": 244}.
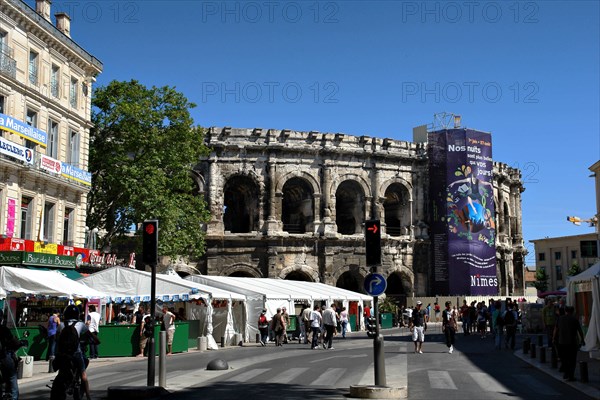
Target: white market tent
{"x": 24, "y": 281}
{"x": 591, "y": 276}
{"x": 274, "y": 293}
{"x": 126, "y": 284}
{"x": 259, "y": 295}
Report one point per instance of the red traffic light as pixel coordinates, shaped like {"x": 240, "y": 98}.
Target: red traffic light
{"x": 150, "y": 229}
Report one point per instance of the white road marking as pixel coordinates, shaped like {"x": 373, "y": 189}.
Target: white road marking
{"x": 246, "y": 376}
{"x": 441, "y": 380}
{"x": 329, "y": 378}
{"x": 287, "y": 376}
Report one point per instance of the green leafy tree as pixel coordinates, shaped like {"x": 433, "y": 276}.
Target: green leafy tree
{"x": 541, "y": 280}
{"x": 574, "y": 270}
{"x": 142, "y": 147}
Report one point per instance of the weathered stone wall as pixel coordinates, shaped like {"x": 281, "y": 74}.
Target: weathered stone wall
{"x": 293, "y": 204}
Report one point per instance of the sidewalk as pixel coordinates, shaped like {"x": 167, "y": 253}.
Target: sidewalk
{"x": 591, "y": 388}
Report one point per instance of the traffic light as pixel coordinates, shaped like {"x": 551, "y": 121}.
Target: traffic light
{"x": 149, "y": 327}
{"x": 371, "y": 327}
{"x": 373, "y": 242}
{"x": 150, "y": 242}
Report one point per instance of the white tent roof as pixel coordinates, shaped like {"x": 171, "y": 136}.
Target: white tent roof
{"x": 126, "y": 284}
{"x": 281, "y": 289}
{"x": 586, "y": 275}
{"x": 252, "y": 286}
{"x": 49, "y": 283}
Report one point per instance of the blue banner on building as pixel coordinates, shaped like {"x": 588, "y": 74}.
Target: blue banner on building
{"x": 462, "y": 207}
{"x": 23, "y": 129}
{"x": 76, "y": 174}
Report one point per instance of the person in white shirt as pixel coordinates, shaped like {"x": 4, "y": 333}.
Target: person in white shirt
{"x": 344, "y": 321}
{"x": 329, "y": 322}
{"x": 315, "y": 325}
{"x": 169, "y": 323}
{"x": 93, "y": 323}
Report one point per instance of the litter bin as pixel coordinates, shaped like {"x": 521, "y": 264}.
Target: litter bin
{"x": 25, "y": 367}
{"x": 387, "y": 321}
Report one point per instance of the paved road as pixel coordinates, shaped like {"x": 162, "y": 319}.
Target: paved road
{"x": 474, "y": 371}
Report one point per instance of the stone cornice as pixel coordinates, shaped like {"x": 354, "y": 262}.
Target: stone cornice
{"x": 42, "y": 29}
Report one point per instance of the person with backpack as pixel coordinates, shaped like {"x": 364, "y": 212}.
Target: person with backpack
{"x": 69, "y": 352}
{"x": 263, "y": 327}
{"x": 278, "y": 327}
{"x": 8, "y": 360}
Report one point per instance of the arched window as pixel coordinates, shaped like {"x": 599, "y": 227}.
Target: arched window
{"x": 349, "y": 208}
{"x": 297, "y": 206}
{"x": 241, "y": 201}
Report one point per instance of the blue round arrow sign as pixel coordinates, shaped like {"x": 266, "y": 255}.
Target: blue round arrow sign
{"x": 375, "y": 284}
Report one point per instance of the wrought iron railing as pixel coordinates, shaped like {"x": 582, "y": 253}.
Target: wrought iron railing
{"x": 54, "y": 88}
{"x": 8, "y": 65}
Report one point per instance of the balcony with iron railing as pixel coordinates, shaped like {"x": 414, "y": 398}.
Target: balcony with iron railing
{"x": 8, "y": 65}
{"x": 54, "y": 86}
{"x": 33, "y": 74}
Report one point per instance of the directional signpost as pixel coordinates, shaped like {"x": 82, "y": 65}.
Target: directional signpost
{"x": 375, "y": 285}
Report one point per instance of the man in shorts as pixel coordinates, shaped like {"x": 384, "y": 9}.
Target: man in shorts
{"x": 418, "y": 325}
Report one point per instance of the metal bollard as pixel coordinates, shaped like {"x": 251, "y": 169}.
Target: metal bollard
{"x": 526, "y": 345}
{"x": 162, "y": 359}
{"x": 222, "y": 341}
{"x": 50, "y": 366}
{"x": 258, "y": 338}
{"x": 532, "y": 350}
{"x": 554, "y": 358}
{"x": 583, "y": 371}
{"x": 540, "y": 341}
{"x": 543, "y": 355}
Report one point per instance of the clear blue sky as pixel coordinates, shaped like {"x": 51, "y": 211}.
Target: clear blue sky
{"x": 526, "y": 71}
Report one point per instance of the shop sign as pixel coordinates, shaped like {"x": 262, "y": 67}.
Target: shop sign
{"x": 24, "y": 130}
{"x": 36, "y": 259}
{"x": 104, "y": 259}
{"x": 12, "y": 244}
{"x": 16, "y": 151}
{"x": 50, "y": 248}
{"x": 76, "y": 174}
{"x": 50, "y": 164}
{"x": 11, "y": 257}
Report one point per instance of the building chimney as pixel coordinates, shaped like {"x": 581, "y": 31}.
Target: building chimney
{"x": 63, "y": 23}
{"x": 43, "y": 8}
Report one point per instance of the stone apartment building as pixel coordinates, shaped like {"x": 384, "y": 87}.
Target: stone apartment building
{"x": 556, "y": 255}
{"x": 292, "y": 205}
{"x": 45, "y": 102}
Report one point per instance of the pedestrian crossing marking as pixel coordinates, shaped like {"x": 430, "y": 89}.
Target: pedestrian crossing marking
{"x": 246, "y": 376}
{"x": 488, "y": 383}
{"x": 441, "y": 380}
{"x": 329, "y": 377}
{"x": 287, "y": 376}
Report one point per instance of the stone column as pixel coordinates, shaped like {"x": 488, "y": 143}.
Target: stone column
{"x": 215, "y": 226}
{"x": 272, "y": 223}
{"x": 328, "y": 226}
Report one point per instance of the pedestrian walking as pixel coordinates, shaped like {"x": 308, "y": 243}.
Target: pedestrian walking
{"x": 549, "y": 320}
{"x": 306, "y": 311}
{"x": 286, "y": 323}
{"x": 510, "y": 324}
{"x": 464, "y": 313}
{"x": 278, "y": 327}
{"x": 498, "y": 325}
{"x": 418, "y": 325}
{"x": 263, "y": 327}
{"x": 146, "y": 320}
{"x": 315, "y": 325}
{"x": 329, "y": 323}
{"x": 53, "y": 323}
{"x": 344, "y": 321}
{"x": 567, "y": 333}
{"x": 449, "y": 326}
{"x": 93, "y": 323}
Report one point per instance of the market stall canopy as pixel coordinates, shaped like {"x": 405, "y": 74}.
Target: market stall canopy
{"x": 48, "y": 283}
{"x": 249, "y": 286}
{"x": 588, "y": 281}
{"x": 126, "y": 284}
{"x": 215, "y": 293}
